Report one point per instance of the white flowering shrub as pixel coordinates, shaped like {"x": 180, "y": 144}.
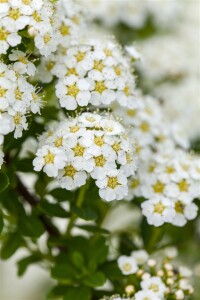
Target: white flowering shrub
{"x": 96, "y": 181}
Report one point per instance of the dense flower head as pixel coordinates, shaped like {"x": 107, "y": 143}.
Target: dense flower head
{"x": 170, "y": 182}
{"x": 134, "y": 13}
{"x": 88, "y": 145}
{"x": 36, "y": 16}
{"x": 17, "y": 96}
{"x": 153, "y": 277}
{"x": 94, "y": 72}
{"x": 152, "y": 131}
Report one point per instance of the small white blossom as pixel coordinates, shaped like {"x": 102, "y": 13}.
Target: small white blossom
{"x": 127, "y": 265}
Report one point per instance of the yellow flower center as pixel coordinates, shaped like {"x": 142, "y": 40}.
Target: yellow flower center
{"x": 58, "y": 142}
{"x": 144, "y": 126}
{"x": 49, "y": 158}
{"x": 80, "y": 56}
{"x": 2, "y": 92}
{"x": 78, "y": 150}
{"x": 154, "y": 287}
{"x": 183, "y": 186}
{"x": 117, "y": 70}
{"x": 47, "y": 38}
{"x": 50, "y": 65}
{"x": 170, "y": 170}
{"x": 23, "y": 59}
{"x": 131, "y": 112}
{"x": 159, "y": 208}
{"x": 127, "y": 267}
{"x": 27, "y": 2}
{"x": 18, "y": 94}
{"x": 98, "y": 65}
{"x": 37, "y": 17}
{"x": 158, "y": 187}
{"x": 69, "y": 171}
{"x": 99, "y": 141}
{"x": 127, "y": 91}
{"x": 74, "y": 129}
{"x": 116, "y": 147}
{"x": 14, "y": 13}
{"x": 135, "y": 183}
{"x": 151, "y": 168}
{"x": 91, "y": 119}
{"x": 100, "y": 161}
{"x": 113, "y": 182}
{"x": 100, "y": 87}
{"x": 129, "y": 158}
{"x": 179, "y": 207}
{"x": 64, "y": 29}
{"x": 17, "y": 119}
{"x": 71, "y": 71}
{"x": 72, "y": 90}
{"x": 108, "y": 52}
{"x": 3, "y": 34}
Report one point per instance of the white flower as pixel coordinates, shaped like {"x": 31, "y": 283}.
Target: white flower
{"x": 141, "y": 256}
{"x": 146, "y": 295}
{"x": 45, "y": 41}
{"x": 8, "y": 39}
{"x": 158, "y": 210}
{"x": 127, "y": 265}
{"x": 22, "y": 65}
{"x": 184, "y": 211}
{"x": 72, "y": 92}
{"x": 113, "y": 186}
{"x": 70, "y": 178}
{"x": 50, "y": 159}
{"x": 154, "y": 284}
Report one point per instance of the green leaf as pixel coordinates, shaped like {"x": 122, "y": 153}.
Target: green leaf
{"x": 76, "y": 293}
{"x": 64, "y": 271}
{"x": 25, "y": 262}
{"x": 78, "y": 259}
{"x": 4, "y": 182}
{"x": 1, "y": 222}
{"x": 85, "y": 213}
{"x": 98, "y": 250}
{"x": 93, "y": 229}
{"x": 62, "y": 195}
{"x": 95, "y": 279}
{"x": 53, "y": 210}
{"x": 31, "y": 226}
{"x": 11, "y": 202}
{"x": 10, "y": 246}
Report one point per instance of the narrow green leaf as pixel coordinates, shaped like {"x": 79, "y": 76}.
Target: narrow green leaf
{"x": 31, "y": 226}
{"x": 1, "y": 223}
{"x": 85, "y": 213}
{"x": 25, "y": 262}
{"x": 13, "y": 242}
{"x": 4, "y": 182}
{"x": 62, "y": 195}
{"x": 95, "y": 279}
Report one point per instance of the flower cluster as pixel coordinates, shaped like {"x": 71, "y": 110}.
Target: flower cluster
{"x": 153, "y": 278}
{"x": 170, "y": 182}
{"x": 95, "y": 73}
{"x": 134, "y": 13}
{"x": 89, "y": 144}
{"x": 150, "y": 129}
{"x": 17, "y": 96}
{"x": 38, "y": 17}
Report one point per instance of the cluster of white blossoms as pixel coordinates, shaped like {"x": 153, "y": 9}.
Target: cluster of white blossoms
{"x": 135, "y": 13}
{"x": 149, "y": 127}
{"x": 88, "y": 145}
{"x": 171, "y": 183}
{"x": 93, "y": 73}
{"x": 37, "y": 16}
{"x": 17, "y": 96}
{"x": 153, "y": 278}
